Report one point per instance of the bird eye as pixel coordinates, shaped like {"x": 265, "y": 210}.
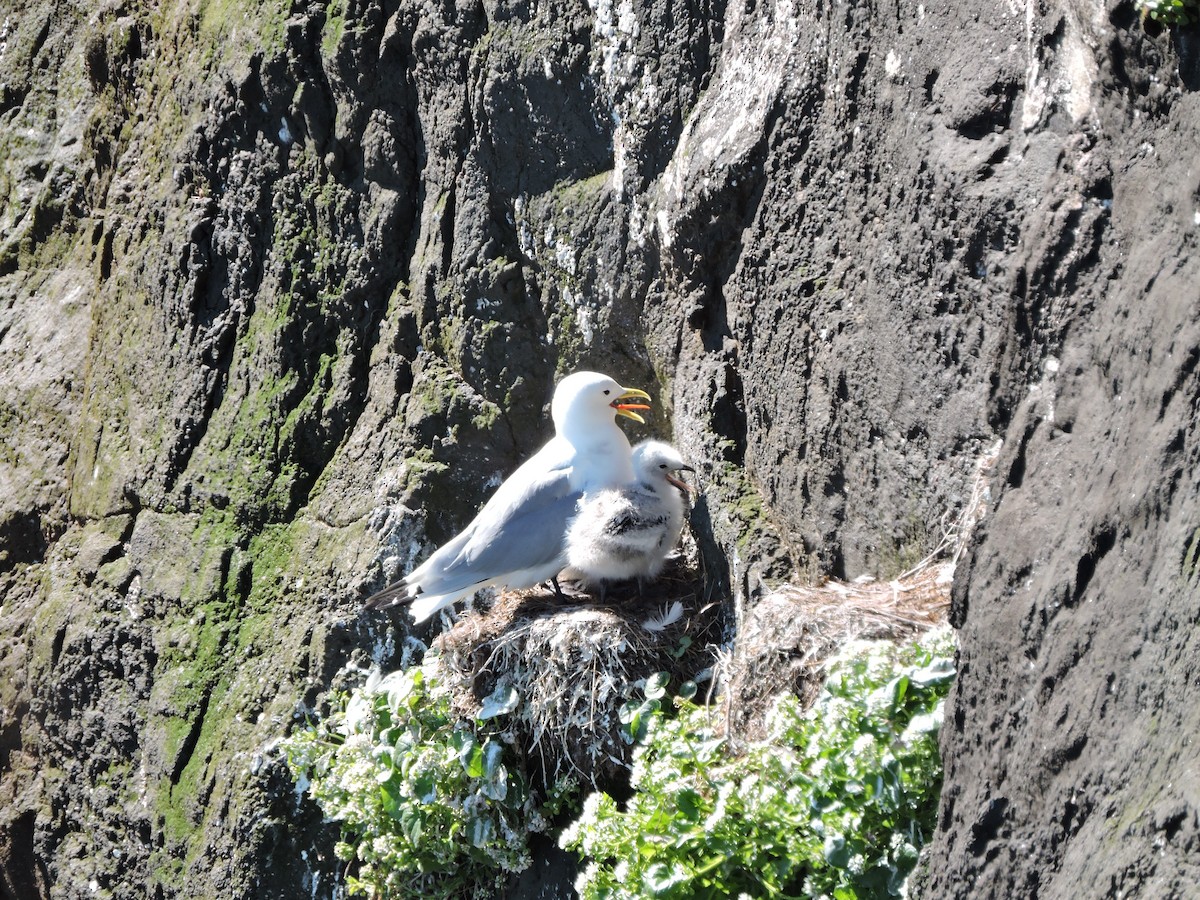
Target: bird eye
{"x": 662, "y": 465}
{"x": 606, "y": 393}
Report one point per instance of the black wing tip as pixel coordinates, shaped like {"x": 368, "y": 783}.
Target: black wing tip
{"x": 392, "y": 595}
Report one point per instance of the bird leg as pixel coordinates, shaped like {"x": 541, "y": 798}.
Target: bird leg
{"x": 557, "y": 590}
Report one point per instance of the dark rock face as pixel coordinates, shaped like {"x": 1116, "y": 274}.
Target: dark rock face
{"x": 280, "y": 281}
{"x": 1072, "y": 733}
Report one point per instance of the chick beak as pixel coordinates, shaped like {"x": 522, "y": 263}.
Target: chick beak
{"x": 625, "y": 407}
{"x": 680, "y": 483}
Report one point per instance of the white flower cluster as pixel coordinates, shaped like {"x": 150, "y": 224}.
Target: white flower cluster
{"x": 427, "y": 803}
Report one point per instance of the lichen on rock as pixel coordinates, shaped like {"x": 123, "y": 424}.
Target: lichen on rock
{"x": 285, "y": 287}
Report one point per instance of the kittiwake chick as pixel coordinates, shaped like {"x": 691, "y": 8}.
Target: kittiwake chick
{"x": 628, "y": 532}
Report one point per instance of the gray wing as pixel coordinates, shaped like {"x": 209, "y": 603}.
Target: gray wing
{"x": 527, "y": 532}
{"x": 635, "y": 522}
{"x": 521, "y": 526}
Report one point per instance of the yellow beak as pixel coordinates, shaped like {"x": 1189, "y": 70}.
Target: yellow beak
{"x": 625, "y": 407}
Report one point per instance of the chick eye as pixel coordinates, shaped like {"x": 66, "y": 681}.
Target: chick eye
{"x": 662, "y": 465}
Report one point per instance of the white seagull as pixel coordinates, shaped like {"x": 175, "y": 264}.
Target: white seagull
{"x": 627, "y": 532}
{"x": 519, "y": 537}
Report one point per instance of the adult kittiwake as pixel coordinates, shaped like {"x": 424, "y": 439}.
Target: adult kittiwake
{"x": 519, "y": 537}
{"x": 627, "y": 532}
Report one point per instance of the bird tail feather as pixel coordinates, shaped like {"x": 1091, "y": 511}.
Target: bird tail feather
{"x": 426, "y": 605}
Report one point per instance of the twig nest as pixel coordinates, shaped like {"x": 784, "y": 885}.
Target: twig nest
{"x": 574, "y": 664}
{"x": 789, "y": 634}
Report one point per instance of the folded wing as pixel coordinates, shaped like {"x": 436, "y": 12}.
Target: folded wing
{"x": 516, "y": 541}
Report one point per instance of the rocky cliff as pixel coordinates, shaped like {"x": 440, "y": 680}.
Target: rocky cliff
{"x": 279, "y": 281}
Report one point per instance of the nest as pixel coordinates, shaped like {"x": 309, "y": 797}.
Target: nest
{"x": 784, "y": 641}
{"x": 790, "y": 633}
{"x": 575, "y": 663}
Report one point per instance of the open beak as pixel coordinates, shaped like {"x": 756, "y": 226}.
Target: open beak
{"x": 625, "y": 406}
{"x": 680, "y": 483}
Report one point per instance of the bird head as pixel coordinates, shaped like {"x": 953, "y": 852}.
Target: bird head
{"x": 586, "y": 395}
{"x": 655, "y": 460}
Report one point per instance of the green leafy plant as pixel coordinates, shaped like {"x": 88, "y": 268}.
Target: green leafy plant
{"x": 430, "y": 806}
{"x": 1170, "y": 12}
{"x": 835, "y": 802}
